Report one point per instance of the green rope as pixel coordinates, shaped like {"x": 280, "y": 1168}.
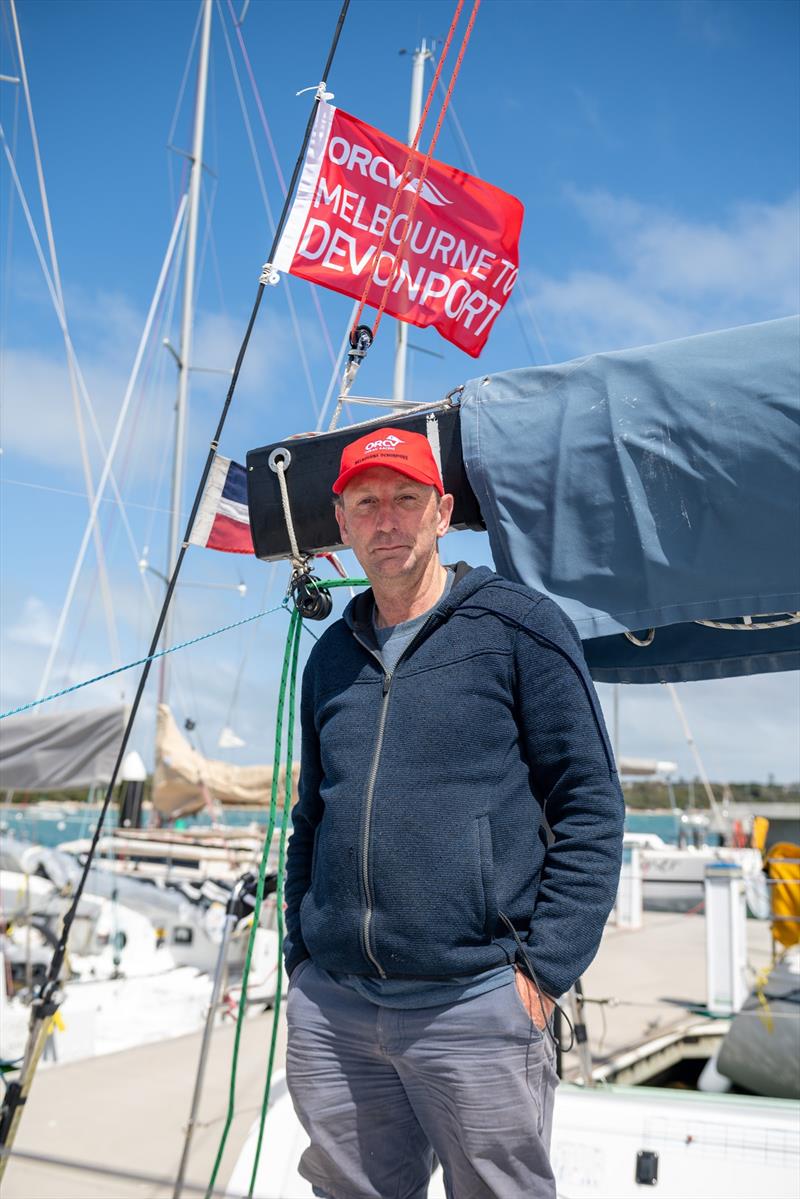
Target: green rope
{"x": 288, "y": 676}
{"x": 326, "y": 584}
{"x": 287, "y": 803}
{"x": 293, "y": 625}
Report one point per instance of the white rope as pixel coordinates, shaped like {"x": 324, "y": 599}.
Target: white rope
{"x": 748, "y": 624}
{"x": 433, "y": 406}
{"x": 648, "y": 639}
{"x": 297, "y": 559}
{"x": 395, "y": 405}
{"x": 432, "y": 431}
{"x": 348, "y": 379}
{"x": 132, "y": 381}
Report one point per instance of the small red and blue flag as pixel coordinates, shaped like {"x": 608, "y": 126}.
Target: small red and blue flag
{"x": 223, "y": 521}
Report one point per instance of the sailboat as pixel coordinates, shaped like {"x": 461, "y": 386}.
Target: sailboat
{"x": 453, "y": 424}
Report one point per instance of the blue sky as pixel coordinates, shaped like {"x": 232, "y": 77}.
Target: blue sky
{"x": 654, "y": 146}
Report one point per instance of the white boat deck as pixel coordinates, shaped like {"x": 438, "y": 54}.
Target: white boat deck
{"x": 127, "y": 1110}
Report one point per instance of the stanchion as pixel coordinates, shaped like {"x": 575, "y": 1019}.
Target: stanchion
{"x": 235, "y": 912}
{"x": 726, "y": 938}
{"x": 628, "y": 907}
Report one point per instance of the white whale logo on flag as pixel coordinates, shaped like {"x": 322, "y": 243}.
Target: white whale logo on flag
{"x": 447, "y": 257}
{"x": 429, "y": 192}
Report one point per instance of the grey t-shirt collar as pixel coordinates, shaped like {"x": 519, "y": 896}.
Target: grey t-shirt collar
{"x": 393, "y": 640}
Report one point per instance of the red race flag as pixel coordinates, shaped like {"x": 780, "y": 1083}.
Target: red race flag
{"x": 460, "y": 259}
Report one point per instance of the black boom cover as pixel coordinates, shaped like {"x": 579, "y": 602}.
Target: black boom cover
{"x": 313, "y": 466}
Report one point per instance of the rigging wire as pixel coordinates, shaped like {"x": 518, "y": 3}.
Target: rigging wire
{"x": 4, "y": 295}
{"x": 406, "y": 176}
{"x": 289, "y": 660}
{"x": 80, "y": 427}
{"x": 178, "y": 105}
{"x": 275, "y": 162}
{"x": 46, "y": 1001}
{"x": 215, "y": 264}
{"x": 79, "y": 494}
{"x": 248, "y": 645}
{"x": 270, "y": 218}
{"x": 98, "y": 495}
{"x": 336, "y": 373}
{"x": 208, "y": 235}
{"x": 404, "y": 179}
{"x": 98, "y": 678}
{"x": 112, "y": 448}
{"x": 110, "y": 527}
{"x": 515, "y": 302}
{"x": 279, "y": 892}
{"x": 166, "y": 324}
{"x": 288, "y": 686}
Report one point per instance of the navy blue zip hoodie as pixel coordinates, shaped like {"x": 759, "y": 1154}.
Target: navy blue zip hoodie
{"x": 420, "y": 825}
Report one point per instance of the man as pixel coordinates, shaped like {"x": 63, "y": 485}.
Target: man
{"x": 430, "y": 925}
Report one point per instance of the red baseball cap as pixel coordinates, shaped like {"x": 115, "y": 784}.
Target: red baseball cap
{"x": 408, "y": 453}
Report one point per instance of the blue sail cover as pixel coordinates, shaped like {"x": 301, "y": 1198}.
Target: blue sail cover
{"x": 648, "y": 489}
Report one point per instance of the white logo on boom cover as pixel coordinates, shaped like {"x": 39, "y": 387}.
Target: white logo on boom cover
{"x": 389, "y": 443}
{"x": 429, "y": 192}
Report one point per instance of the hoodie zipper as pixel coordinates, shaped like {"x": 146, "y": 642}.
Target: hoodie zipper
{"x": 373, "y": 775}
{"x": 366, "y": 923}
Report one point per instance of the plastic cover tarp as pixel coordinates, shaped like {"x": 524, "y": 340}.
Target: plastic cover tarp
{"x": 649, "y": 489}
{"x": 760, "y": 1050}
{"x": 72, "y": 749}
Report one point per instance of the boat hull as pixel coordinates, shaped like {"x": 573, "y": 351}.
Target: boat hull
{"x": 717, "y": 1146}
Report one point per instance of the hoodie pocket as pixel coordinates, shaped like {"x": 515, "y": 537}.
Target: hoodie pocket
{"x": 487, "y": 877}
{"x": 314, "y": 856}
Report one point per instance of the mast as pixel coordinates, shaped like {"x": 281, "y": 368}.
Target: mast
{"x": 187, "y": 322}
{"x": 421, "y": 54}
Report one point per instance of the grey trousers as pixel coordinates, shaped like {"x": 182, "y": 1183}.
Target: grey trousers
{"x": 381, "y": 1090}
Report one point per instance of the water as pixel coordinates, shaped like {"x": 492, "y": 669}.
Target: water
{"x": 665, "y": 824}
{"x": 51, "y": 827}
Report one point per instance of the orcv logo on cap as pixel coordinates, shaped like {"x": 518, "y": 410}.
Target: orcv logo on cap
{"x": 408, "y": 453}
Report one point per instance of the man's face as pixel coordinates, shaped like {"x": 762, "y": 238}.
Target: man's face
{"x": 392, "y": 522}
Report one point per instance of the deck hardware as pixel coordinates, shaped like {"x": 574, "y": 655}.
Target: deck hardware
{"x": 647, "y": 1167}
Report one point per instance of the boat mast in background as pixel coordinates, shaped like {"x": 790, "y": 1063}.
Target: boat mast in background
{"x": 421, "y": 54}
{"x": 187, "y": 322}
{"x": 701, "y": 770}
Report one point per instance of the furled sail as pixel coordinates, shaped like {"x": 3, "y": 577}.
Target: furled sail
{"x": 651, "y": 489}
{"x": 185, "y": 781}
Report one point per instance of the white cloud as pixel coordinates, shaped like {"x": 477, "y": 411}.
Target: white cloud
{"x": 672, "y": 277}
{"x": 38, "y": 414}
{"x": 745, "y": 728}
{"x": 35, "y": 625}
{"x": 706, "y": 21}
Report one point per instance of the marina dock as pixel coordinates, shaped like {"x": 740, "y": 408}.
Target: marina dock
{"x": 127, "y": 1111}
